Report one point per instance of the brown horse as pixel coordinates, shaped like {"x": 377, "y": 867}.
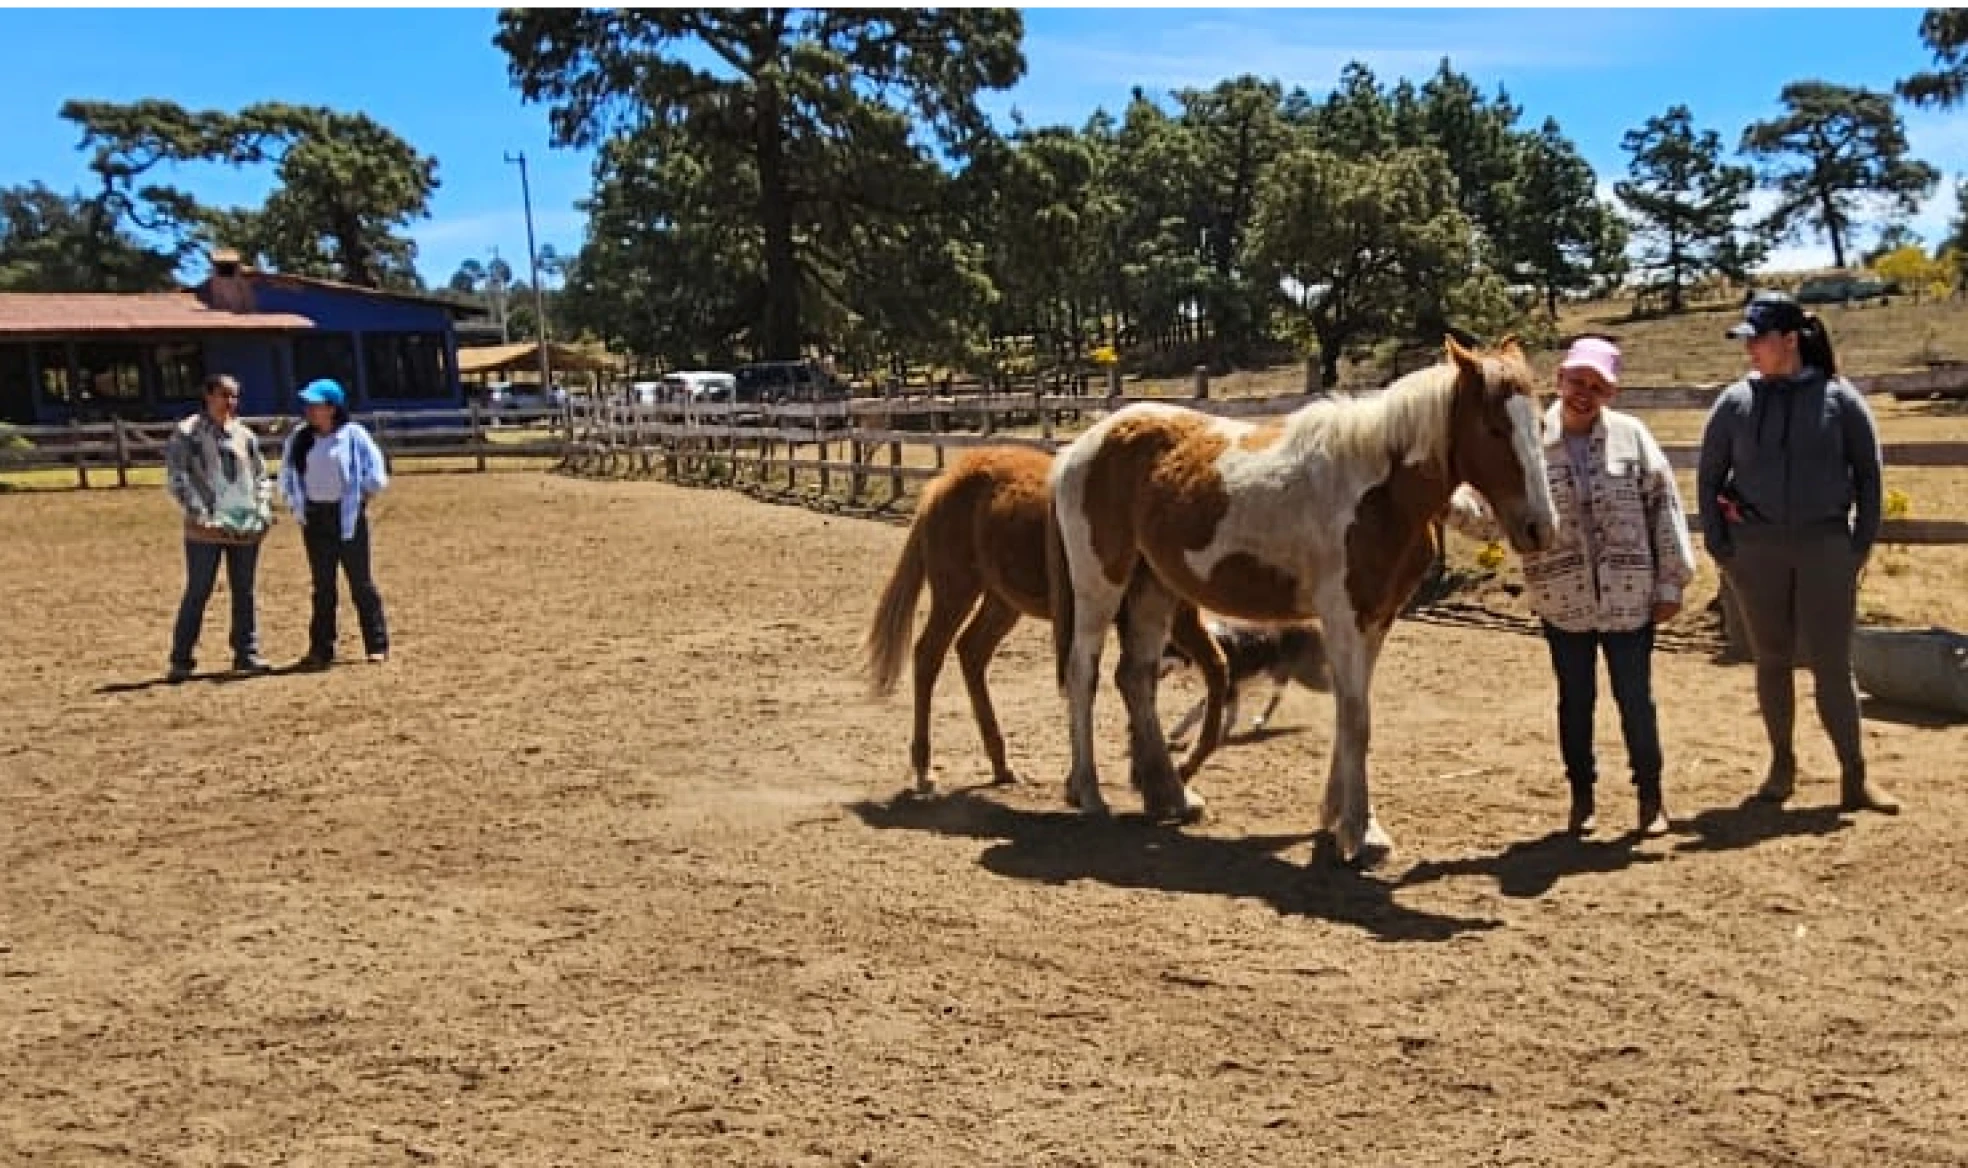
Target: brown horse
{"x": 978, "y": 540}
{"x": 1328, "y": 512}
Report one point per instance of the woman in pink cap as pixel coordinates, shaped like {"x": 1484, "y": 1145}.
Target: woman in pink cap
{"x": 1617, "y": 570}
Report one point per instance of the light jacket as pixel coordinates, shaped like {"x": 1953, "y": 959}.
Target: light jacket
{"x": 218, "y": 478}
{"x": 1640, "y": 554}
{"x": 363, "y": 474}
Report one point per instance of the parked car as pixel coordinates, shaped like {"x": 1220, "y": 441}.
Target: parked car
{"x": 505, "y": 396}
{"x": 1851, "y": 289}
{"x": 780, "y": 382}
{"x": 699, "y": 385}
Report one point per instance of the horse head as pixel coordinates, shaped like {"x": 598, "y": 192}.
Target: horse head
{"x": 1496, "y": 440}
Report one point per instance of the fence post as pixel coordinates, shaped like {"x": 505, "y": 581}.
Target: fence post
{"x": 894, "y": 472}
{"x": 477, "y": 435}
{"x": 81, "y": 461}
{"x": 1312, "y": 374}
{"x": 1045, "y": 415}
{"x": 936, "y": 425}
{"x": 858, "y": 478}
{"x": 1113, "y": 381}
{"x": 1202, "y": 383}
{"x": 122, "y": 454}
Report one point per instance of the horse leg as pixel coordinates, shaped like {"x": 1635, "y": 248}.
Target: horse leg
{"x": 1347, "y": 811}
{"x": 1270, "y": 707}
{"x": 1144, "y": 633}
{"x": 946, "y": 616}
{"x": 1194, "y": 639}
{"x": 993, "y": 620}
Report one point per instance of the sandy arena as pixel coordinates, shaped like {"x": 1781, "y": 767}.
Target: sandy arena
{"x": 607, "y": 868}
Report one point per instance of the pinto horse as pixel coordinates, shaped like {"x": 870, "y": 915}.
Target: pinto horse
{"x": 978, "y": 541}
{"x": 1327, "y": 513}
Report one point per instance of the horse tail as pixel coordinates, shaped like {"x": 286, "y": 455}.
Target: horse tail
{"x": 1059, "y": 590}
{"x": 895, "y": 615}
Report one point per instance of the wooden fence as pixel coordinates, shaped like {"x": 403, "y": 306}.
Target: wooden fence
{"x": 118, "y": 447}
{"x": 859, "y": 452}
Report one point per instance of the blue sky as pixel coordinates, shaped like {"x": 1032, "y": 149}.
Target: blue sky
{"x": 433, "y": 76}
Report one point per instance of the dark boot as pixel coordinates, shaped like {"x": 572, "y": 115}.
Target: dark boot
{"x": 1858, "y": 793}
{"x": 1781, "y": 781}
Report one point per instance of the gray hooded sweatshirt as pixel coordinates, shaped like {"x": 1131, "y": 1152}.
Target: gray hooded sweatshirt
{"x": 1797, "y": 454}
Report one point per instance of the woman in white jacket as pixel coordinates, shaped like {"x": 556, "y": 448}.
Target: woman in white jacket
{"x": 1617, "y": 570}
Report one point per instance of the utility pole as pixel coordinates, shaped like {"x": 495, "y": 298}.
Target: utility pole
{"x": 533, "y": 263}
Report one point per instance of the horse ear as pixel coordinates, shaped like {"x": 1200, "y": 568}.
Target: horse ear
{"x": 1464, "y": 358}
{"x": 1509, "y": 347}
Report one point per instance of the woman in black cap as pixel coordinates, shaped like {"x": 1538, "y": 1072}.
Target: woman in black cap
{"x": 1789, "y": 490}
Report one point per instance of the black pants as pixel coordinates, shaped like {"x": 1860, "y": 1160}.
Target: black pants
{"x": 327, "y": 552}
{"x": 1629, "y": 660}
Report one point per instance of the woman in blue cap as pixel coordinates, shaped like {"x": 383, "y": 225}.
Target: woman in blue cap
{"x": 328, "y": 469}
{"x": 1789, "y": 487}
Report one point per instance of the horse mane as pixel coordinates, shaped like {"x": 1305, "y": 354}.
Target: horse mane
{"x": 1407, "y": 421}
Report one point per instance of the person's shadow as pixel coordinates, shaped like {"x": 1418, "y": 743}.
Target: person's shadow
{"x": 1752, "y": 822}
{"x": 214, "y": 677}
{"x": 1054, "y": 847}
{"x": 1530, "y": 868}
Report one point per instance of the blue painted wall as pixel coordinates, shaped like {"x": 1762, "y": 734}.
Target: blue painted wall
{"x": 264, "y": 363}
{"x": 260, "y": 365}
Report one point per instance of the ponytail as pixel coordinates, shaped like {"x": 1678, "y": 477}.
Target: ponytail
{"x": 1814, "y": 346}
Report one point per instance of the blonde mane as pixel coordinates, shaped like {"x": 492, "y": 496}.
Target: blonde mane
{"x": 1407, "y": 421}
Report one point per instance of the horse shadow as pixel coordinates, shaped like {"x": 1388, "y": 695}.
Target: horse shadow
{"x": 1127, "y": 851}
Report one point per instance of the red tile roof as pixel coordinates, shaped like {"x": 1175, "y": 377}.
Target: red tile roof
{"x": 23, "y": 313}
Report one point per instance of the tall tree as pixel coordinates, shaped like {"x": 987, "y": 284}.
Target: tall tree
{"x": 1371, "y": 243}
{"x": 1945, "y": 33}
{"x": 1685, "y": 200}
{"x": 51, "y": 242}
{"x": 1835, "y": 151}
{"x": 343, "y": 187}
{"x": 809, "y": 109}
{"x": 1561, "y": 235}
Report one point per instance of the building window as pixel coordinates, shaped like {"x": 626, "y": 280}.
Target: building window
{"x": 110, "y": 372}
{"x": 180, "y": 369}
{"x": 405, "y": 366}
{"x": 320, "y": 355}
{"x": 16, "y": 385}
{"x": 51, "y": 357}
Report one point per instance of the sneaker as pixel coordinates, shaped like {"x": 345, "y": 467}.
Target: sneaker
{"x": 312, "y": 664}
{"x": 1653, "y": 816}
{"x": 255, "y": 664}
{"x": 378, "y": 658}
{"x": 1584, "y": 819}
{"x": 178, "y": 674}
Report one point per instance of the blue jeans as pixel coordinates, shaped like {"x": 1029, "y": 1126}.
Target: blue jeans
{"x": 1629, "y": 660}
{"x": 201, "y": 575}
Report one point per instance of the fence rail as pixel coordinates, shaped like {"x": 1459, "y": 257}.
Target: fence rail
{"x": 118, "y": 447}
{"x": 863, "y": 441}
{"x": 763, "y": 443}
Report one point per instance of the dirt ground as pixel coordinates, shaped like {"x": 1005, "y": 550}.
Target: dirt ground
{"x": 607, "y": 868}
